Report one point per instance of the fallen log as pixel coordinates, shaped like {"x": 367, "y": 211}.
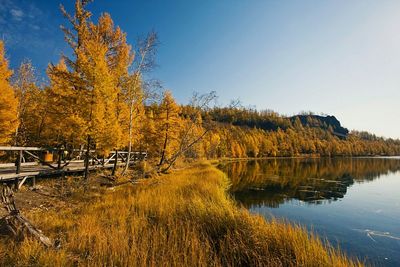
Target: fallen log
{"x": 18, "y": 225}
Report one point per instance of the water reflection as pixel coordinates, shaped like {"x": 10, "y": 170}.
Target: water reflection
{"x": 314, "y": 181}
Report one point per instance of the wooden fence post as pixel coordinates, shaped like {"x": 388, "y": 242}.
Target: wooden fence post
{"x": 115, "y": 163}
{"x": 18, "y": 162}
{"x": 59, "y": 159}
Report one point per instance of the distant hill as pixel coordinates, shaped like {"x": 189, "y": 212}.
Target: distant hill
{"x": 329, "y": 123}
{"x": 241, "y": 132}
{"x": 272, "y": 121}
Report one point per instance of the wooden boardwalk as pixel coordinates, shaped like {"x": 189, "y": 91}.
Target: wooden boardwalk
{"x": 31, "y": 162}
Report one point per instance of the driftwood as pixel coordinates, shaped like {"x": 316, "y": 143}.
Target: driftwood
{"x": 18, "y": 225}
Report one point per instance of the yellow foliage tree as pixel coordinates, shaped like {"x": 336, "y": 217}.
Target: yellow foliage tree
{"x": 115, "y": 63}
{"x": 192, "y": 130}
{"x": 151, "y": 138}
{"x": 132, "y": 114}
{"x": 31, "y": 109}
{"x": 134, "y": 95}
{"x": 63, "y": 120}
{"x": 94, "y": 77}
{"x": 169, "y": 123}
{"x": 8, "y": 101}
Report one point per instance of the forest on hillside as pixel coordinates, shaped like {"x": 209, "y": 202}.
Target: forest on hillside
{"x": 99, "y": 97}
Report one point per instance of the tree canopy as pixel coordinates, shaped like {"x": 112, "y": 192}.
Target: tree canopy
{"x": 8, "y": 101}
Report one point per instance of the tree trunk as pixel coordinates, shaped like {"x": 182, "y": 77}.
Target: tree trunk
{"x": 165, "y": 141}
{"x": 181, "y": 151}
{"x": 87, "y": 158}
{"x": 18, "y": 225}
{"x": 115, "y": 163}
{"x": 128, "y": 158}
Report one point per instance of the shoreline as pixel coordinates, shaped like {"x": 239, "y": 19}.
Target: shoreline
{"x": 300, "y": 157}
{"x": 185, "y": 217}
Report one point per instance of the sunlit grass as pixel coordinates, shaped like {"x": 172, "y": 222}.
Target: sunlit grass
{"x": 184, "y": 218}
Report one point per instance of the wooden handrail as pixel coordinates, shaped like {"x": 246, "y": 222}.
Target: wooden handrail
{"x": 19, "y": 148}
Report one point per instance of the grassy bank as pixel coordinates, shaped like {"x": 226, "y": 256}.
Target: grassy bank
{"x": 181, "y": 219}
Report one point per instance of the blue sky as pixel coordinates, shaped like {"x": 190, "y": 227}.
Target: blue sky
{"x": 334, "y": 57}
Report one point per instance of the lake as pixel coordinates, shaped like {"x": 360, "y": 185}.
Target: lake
{"x": 352, "y": 202}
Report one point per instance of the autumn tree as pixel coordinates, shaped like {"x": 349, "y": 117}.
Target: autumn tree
{"x": 73, "y": 75}
{"x": 169, "y": 123}
{"x": 64, "y": 121}
{"x": 134, "y": 95}
{"x": 30, "y": 109}
{"x": 192, "y": 129}
{"x": 93, "y": 75}
{"x": 8, "y": 101}
{"x": 151, "y": 138}
{"x": 118, "y": 58}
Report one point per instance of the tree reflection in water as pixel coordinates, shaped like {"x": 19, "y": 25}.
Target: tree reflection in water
{"x": 272, "y": 182}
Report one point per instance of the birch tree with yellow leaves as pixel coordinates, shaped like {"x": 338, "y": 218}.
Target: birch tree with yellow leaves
{"x": 134, "y": 95}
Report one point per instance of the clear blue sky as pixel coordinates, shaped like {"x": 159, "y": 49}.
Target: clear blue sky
{"x": 336, "y": 57}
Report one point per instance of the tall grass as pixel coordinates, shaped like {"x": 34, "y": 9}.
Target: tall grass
{"x": 184, "y": 218}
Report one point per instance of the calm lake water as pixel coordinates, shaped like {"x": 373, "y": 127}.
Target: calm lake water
{"x": 353, "y": 202}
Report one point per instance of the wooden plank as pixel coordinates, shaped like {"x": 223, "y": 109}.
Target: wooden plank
{"x": 110, "y": 158}
{"x": 12, "y": 176}
{"x": 17, "y": 148}
{"x": 46, "y": 172}
{"x": 12, "y": 165}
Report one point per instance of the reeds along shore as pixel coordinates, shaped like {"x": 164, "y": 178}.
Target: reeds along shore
{"x": 184, "y": 218}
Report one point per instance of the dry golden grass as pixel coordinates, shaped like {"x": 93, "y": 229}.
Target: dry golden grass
{"x": 181, "y": 219}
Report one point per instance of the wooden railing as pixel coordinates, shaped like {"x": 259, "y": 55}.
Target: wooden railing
{"x": 31, "y": 161}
